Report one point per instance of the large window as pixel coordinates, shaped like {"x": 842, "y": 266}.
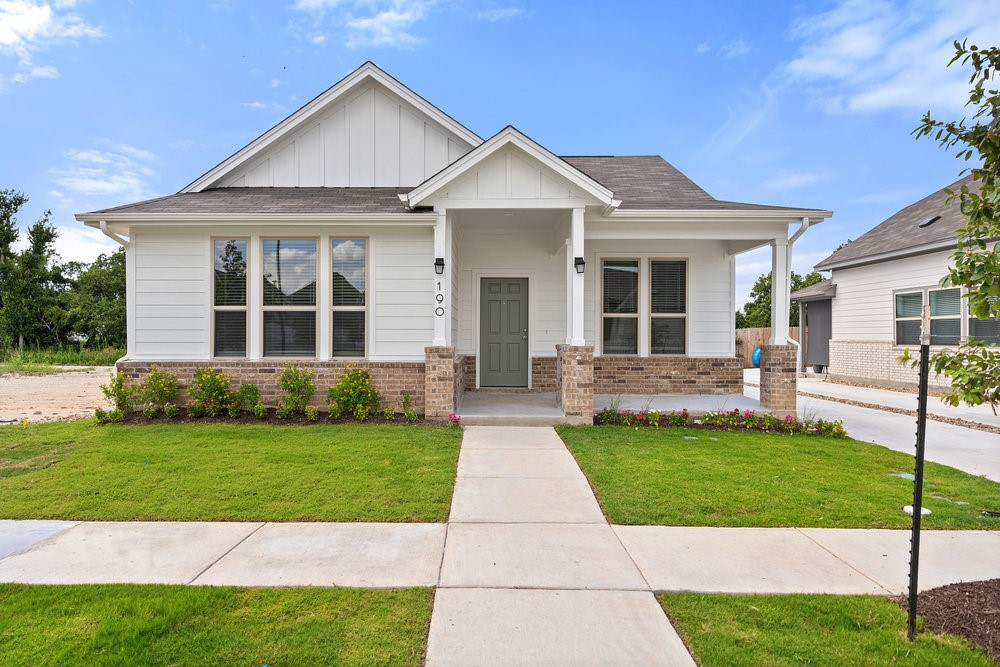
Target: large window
{"x": 620, "y": 322}
{"x": 350, "y": 279}
{"x": 668, "y": 306}
{"x": 289, "y": 297}
{"x": 945, "y": 313}
{"x": 985, "y": 331}
{"x": 229, "y": 303}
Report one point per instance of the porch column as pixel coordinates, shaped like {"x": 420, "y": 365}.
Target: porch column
{"x": 442, "y": 282}
{"x": 575, "y": 281}
{"x": 779, "y": 292}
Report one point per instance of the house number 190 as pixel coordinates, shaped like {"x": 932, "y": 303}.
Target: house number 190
{"x": 439, "y": 297}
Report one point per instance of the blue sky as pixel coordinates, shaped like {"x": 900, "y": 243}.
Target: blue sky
{"x": 790, "y": 103}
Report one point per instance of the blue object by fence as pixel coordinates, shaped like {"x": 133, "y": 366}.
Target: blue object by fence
{"x": 756, "y": 358}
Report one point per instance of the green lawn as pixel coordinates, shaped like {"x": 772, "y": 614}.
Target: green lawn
{"x": 194, "y": 625}
{"x": 677, "y": 477}
{"x": 807, "y": 630}
{"x": 227, "y": 472}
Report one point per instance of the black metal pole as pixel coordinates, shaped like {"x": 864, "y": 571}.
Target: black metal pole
{"x": 918, "y": 491}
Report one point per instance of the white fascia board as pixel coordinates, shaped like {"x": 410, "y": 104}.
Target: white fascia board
{"x": 509, "y": 136}
{"x": 367, "y": 71}
{"x": 925, "y": 249}
{"x": 720, "y": 215}
{"x": 206, "y": 219}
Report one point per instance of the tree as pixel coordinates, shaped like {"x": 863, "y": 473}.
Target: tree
{"x": 974, "y": 370}
{"x": 96, "y": 302}
{"x": 757, "y": 312}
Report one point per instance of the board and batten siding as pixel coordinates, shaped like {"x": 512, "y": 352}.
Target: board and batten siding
{"x": 710, "y": 298}
{"x": 173, "y": 284}
{"x": 372, "y": 139}
{"x": 863, "y": 308}
{"x": 171, "y": 292}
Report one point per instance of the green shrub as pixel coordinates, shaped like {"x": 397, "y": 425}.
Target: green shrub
{"x": 116, "y": 416}
{"x": 158, "y": 388}
{"x": 210, "y": 388}
{"x": 260, "y": 410}
{"x": 411, "y": 415}
{"x": 334, "y": 413}
{"x": 297, "y": 384}
{"x": 171, "y": 410}
{"x": 389, "y": 413}
{"x": 149, "y": 412}
{"x": 247, "y": 396}
{"x": 354, "y": 390}
{"x": 608, "y": 416}
{"x": 120, "y": 392}
{"x": 678, "y": 419}
{"x": 101, "y": 415}
{"x": 654, "y": 418}
{"x": 234, "y": 410}
{"x": 196, "y": 409}
{"x": 282, "y": 411}
{"x": 312, "y": 414}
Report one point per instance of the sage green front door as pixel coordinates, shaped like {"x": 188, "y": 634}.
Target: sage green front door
{"x": 503, "y": 331}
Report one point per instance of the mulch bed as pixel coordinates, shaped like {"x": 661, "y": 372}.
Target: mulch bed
{"x": 247, "y": 418}
{"x": 970, "y": 610}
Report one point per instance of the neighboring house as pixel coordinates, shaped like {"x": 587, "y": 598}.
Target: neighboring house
{"x": 880, "y": 283}
{"x": 371, "y": 228}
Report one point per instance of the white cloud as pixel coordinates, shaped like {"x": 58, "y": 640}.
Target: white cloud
{"x": 735, "y": 49}
{"x": 117, "y": 170}
{"x": 28, "y": 27}
{"x": 501, "y": 14}
{"x": 703, "y": 47}
{"x": 77, "y": 243}
{"x": 791, "y": 180}
{"x": 873, "y": 55}
{"x": 755, "y": 108}
{"x": 363, "y": 23}
{"x": 254, "y": 105}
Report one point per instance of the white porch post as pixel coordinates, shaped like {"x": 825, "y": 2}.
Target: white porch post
{"x": 575, "y": 281}
{"x": 779, "y": 292}
{"x": 442, "y": 283}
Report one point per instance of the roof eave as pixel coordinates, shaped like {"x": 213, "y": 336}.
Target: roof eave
{"x": 902, "y": 253}
{"x": 765, "y": 215}
{"x": 402, "y": 218}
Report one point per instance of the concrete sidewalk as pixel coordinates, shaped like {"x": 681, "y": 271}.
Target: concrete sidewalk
{"x": 526, "y": 569}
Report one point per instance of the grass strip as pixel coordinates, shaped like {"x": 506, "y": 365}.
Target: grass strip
{"x": 777, "y": 630}
{"x": 194, "y": 625}
{"x": 681, "y": 477}
{"x": 227, "y": 472}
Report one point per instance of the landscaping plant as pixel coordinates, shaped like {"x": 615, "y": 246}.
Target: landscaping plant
{"x": 354, "y": 394}
{"x": 209, "y": 391}
{"x": 297, "y": 384}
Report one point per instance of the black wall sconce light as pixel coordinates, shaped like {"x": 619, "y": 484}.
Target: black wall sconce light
{"x": 439, "y": 265}
{"x": 579, "y": 264}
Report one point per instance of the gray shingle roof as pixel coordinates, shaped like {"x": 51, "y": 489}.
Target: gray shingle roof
{"x": 902, "y": 230}
{"x": 641, "y": 182}
{"x": 824, "y": 289}
{"x": 273, "y": 200}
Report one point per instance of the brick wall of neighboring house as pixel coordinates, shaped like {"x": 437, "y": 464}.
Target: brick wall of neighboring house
{"x": 778, "y": 378}
{"x": 461, "y": 381}
{"x": 668, "y": 375}
{"x": 439, "y": 382}
{"x": 876, "y": 363}
{"x": 543, "y": 373}
{"x": 391, "y": 378}
{"x": 575, "y": 381}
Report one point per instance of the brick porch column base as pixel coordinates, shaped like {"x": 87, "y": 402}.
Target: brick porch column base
{"x": 778, "y": 379}
{"x": 439, "y": 382}
{"x": 575, "y": 380}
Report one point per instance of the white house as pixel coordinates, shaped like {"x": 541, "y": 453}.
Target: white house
{"x": 880, "y": 283}
{"x": 371, "y": 228}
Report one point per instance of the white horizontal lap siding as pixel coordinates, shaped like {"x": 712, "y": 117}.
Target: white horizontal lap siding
{"x": 172, "y": 292}
{"x": 513, "y": 252}
{"x": 864, "y": 308}
{"x": 402, "y": 305}
{"x": 710, "y": 330}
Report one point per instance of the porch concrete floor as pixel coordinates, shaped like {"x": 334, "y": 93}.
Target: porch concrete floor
{"x": 504, "y": 408}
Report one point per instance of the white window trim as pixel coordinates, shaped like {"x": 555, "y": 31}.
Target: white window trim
{"x": 351, "y": 309}
{"x": 645, "y": 302}
{"x": 637, "y": 315}
{"x": 925, "y": 291}
{"x": 684, "y": 315}
{"x": 214, "y": 308}
{"x": 315, "y": 308}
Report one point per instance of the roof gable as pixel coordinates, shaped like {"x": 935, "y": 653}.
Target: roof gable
{"x": 511, "y": 166}
{"x": 367, "y": 130}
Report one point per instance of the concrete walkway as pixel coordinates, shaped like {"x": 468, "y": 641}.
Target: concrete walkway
{"x": 527, "y": 569}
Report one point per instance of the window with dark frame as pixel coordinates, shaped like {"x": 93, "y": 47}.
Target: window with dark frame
{"x": 350, "y": 280}
{"x": 289, "y": 293}
{"x": 620, "y": 299}
{"x": 229, "y": 301}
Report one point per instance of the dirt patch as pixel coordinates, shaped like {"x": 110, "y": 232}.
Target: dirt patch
{"x": 970, "y": 610}
{"x": 53, "y": 397}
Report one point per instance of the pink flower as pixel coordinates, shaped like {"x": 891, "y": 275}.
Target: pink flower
{"x": 789, "y": 419}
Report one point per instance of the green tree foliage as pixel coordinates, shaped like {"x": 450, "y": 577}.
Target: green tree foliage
{"x": 756, "y": 313}
{"x": 96, "y": 302}
{"x": 974, "y": 369}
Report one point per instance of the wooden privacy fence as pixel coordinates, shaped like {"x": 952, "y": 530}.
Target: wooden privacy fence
{"x": 748, "y": 340}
